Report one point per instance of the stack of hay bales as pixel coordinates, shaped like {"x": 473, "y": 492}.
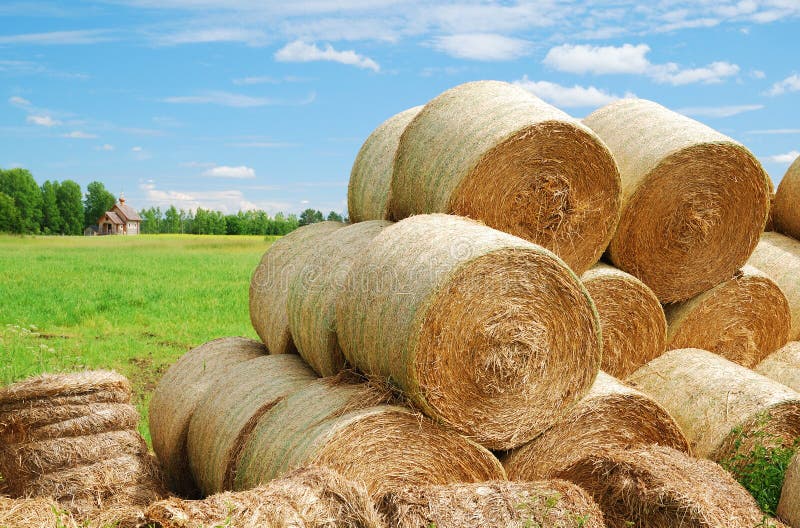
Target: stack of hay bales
{"x": 786, "y": 212}
{"x": 74, "y": 438}
{"x": 778, "y": 257}
{"x": 493, "y": 151}
{"x": 783, "y": 365}
{"x": 693, "y": 200}
{"x": 743, "y": 319}
{"x": 483, "y": 331}
{"x": 492, "y": 504}
{"x": 632, "y": 320}
{"x": 310, "y": 497}
{"x": 789, "y": 506}
{"x": 174, "y": 401}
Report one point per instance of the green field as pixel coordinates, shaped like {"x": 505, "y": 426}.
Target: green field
{"x": 132, "y": 304}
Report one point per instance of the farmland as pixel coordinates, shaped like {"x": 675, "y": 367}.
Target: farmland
{"x": 132, "y": 304}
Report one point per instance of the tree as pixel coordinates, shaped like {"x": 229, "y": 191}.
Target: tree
{"x": 310, "y": 216}
{"x": 70, "y": 207}
{"x": 172, "y": 221}
{"x": 51, "y": 216}
{"x": 334, "y": 217}
{"x": 9, "y": 216}
{"x": 98, "y": 201}
{"x": 27, "y": 196}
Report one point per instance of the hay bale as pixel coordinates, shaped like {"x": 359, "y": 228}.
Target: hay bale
{"x": 783, "y": 365}
{"x": 371, "y": 176}
{"x": 553, "y": 503}
{"x": 312, "y": 497}
{"x": 722, "y": 407}
{"x": 495, "y": 152}
{"x": 225, "y": 417}
{"x": 176, "y": 397}
{"x": 789, "y": 506}
{"x": 778, "y": 256}
{"x": 742, "y": 319}
{"x": 631, "y": 319}
{"x": 786, "y": 211}
{"x": 53, "y": 389}
{"x": 770, "y": 226}
{"x": 431, "y": 287}
{"x": 313, "y": 294}
{"x": 34, "y": 513}
{"x": 342, "y": 425}
{"x": 269, "y": 286}
{"x": 44, "y": 422}
{"x": 693, "y": 200}
{"x": 612, "y": 415}
{"x": 660, "y": 487}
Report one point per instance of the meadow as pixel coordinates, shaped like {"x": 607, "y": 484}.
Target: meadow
{"x": 131, "y": 304}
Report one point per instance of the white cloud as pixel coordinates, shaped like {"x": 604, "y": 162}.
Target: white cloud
{"x": 19, "y": 102}
{"x": 719, "y": 111}
{"x": 91, "y": 36}
{"x": 106, "y": 147}
{"x": 224, "y": 171}
{"x": 227, "y": 201}
{"x": 43, "y": 120}
{"x": 253, "y": 37}
{"x": 196, "y": 164}
{"x": 136, "y": 149}
{"x": 220, "y": 98}
{"x": 77, "y": 134}
{"x": 775, "y": 131}
{"x": 632, "y": 59}
{"x": 482, "y": 46}
{"x": 300, "y": 51}
{"x": 787, "y": 158}
{"x": 789, "y": 84}
{"x": 568, "y": 97}
{"x": 264, "y": 144}
{"x": 757, "y": 74}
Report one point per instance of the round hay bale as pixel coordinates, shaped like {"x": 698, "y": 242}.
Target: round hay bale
{"x": 778, "y": 256}
{"x": 341, "y": 425}
{"x": 43, "y": 388}
{"x": 786, "y": 211}
{"x": 553, "y": 503}
{"x": 44, "y": 422}
{"x": 224, "y": 419}
{"x": 660, "y": 487}
{"x": 495, "y": 152}
{"x": 693, "y": 200}
{"x": 783, "y": 366}
{"x": 122, "y": 396}
{"x": 269, "y": 287}
{"x": 371, "y": 176}
{"x": 311, "y": 497}
{"x": 313, "y": 294}
{"x": 722, "y": 408}
{"x": 176, "y": 397}
{"x": 612, "y": 415}
{"x": 631, "y": 319}
{"x": 742, "y": 319}
{"x": 789, "y": 506}
{"x": 38, "y": 512}
{"x": 431, "y": 287}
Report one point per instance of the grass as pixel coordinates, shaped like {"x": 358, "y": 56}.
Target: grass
{"x": 132, "y": 304}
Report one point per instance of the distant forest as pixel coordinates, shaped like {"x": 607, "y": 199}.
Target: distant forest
{"x": 61, "y": 208}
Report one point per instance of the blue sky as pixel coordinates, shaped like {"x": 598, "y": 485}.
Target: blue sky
{"x": 234, "y": 104}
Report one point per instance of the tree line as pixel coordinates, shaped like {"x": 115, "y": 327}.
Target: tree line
{"x": 60, "y": 208}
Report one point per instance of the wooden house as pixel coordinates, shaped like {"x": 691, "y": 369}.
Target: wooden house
{"x": 122, "y": 219}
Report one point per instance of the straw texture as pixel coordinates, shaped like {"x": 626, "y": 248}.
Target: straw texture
{"x": 631, "y": 318}
{"x": 786, "y": 212}
{"x": 43, "y": 422}
{"x": 789, "y": 506}
{"x": 177, "y": 395}
{"x": 783, "y": 365}
{"x": 778, "y": 256}
{"x": 110, "y": 386}
{"x": 659, "y": 487}
{"x": 771, "y": 217}
{"x": 495, "y": 152}
{"x": 612, "y": 415}
{"x": 719, "y": 404}
{"x": 371, "y": 176}
{"x": 312, "y": 497}
{"x": 43, "y": 512}
{"x": 483, "y": 331}
{"x": 321, "y": 423}
{"x": 742, "y": 319}
{"x": 693, "y": 200}
{"x": 313, "y": 295}
{"x": 225, "y": 417}
{"x": 554, "y": 504}
{"x": 269, "y": 286}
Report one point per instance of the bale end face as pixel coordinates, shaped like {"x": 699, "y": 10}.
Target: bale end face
{"x": 785, "y": 213}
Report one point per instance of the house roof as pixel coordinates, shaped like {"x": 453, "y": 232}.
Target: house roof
{"x": 128, "y": 212}
{"x": 115, "y": 219}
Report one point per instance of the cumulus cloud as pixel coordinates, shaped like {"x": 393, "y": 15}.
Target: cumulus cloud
{"x": 482, "y": 46}
{"x": 225, "y": 171}
{"x": 227, "y": 201}
{"x": 19, "y": 102}
{"x": 301, "y": 51}
{"x": 43, "y": 120}
{"x": 789, "y": 84}
{"x": 77, "y": 134}
{"x": 786, "y": 158}
{"x": 568, "y": 96}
